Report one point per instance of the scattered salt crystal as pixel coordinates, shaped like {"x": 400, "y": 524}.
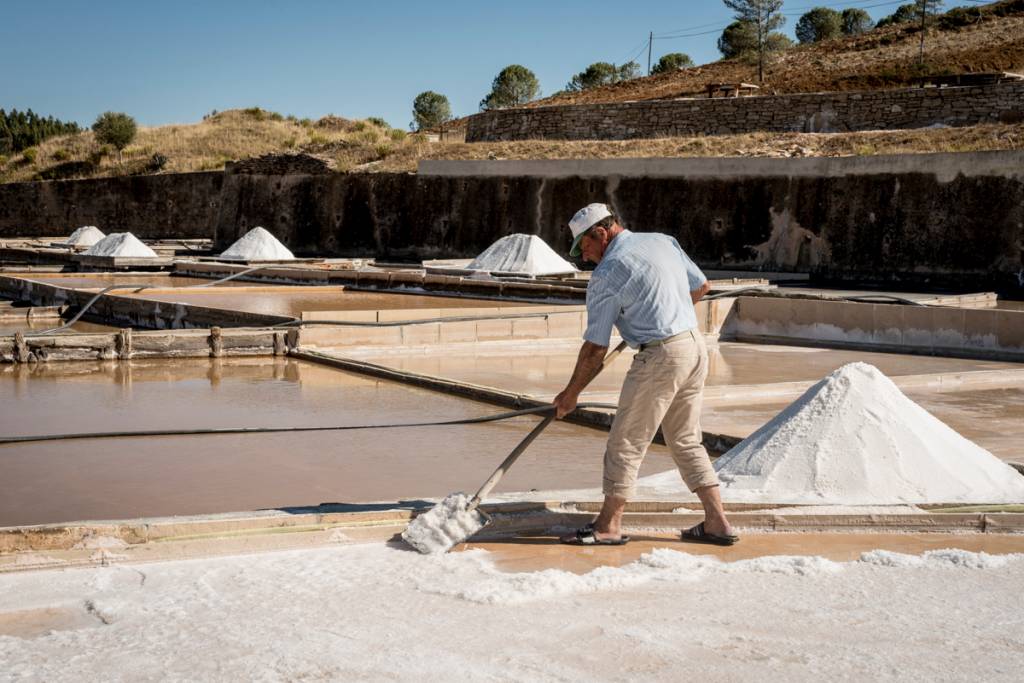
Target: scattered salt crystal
{"x": 519, "y": 253}
{"x": 257, "y": 245}
{"x": 85, "y": 236}
{"x": 854, "y": 438}
{"x": 122, "y": 244}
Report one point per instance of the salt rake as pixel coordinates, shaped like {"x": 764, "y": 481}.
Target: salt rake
{"x": 458, "y": 517}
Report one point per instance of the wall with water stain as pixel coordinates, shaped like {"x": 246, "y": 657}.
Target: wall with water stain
{"x": 952, "y": 220}
{"x": 183, "y": 205}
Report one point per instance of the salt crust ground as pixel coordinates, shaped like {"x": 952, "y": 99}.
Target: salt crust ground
{"x": 372, "y": 612}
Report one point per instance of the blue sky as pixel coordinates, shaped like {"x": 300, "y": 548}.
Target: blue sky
{"x": 173, "y": 62}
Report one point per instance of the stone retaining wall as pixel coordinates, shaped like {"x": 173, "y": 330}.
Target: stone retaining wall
{"x": 807, "y": 113}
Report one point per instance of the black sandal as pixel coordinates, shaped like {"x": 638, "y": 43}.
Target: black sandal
{"x": 586, "y": 535}
{"x": 699, "y": 535}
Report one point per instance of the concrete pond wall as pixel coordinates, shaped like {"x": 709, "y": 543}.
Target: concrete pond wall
{"x": 827, "y": 112}
{"x": 933, "y": 219}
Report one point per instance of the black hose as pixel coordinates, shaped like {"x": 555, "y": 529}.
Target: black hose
{"x": 263, "y": 430}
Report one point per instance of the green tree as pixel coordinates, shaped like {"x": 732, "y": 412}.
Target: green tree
{"x": 602, "y": 73}
{"x": 821, "y": 23}
{"x": 116, "y": 129}
{"x": 764, "y": 16}
{"x": 514, "y": 85}
{"x": 673, "y": 61}
{"x": 903, "y": 14}
{"x": 430, "y": 110}
{"x": 855, "y": 22}
{"x": 739, "y": 39}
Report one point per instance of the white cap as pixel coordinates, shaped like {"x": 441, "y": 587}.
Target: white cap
{"x": 584, "y": 220}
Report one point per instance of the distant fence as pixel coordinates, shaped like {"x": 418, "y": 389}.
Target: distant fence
{"x": 809, "y": 113}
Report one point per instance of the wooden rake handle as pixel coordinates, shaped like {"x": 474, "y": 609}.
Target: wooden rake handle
{"x": 529, "y": 438}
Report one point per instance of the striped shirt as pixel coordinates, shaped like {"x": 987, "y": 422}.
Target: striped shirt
{"x": 642, "y": 286}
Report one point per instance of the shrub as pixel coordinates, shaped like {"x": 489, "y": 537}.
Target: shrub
{"x": 368, "y": 136}
{"x": 306, "y": 123}
{"x": 673, "y": 61}
{"x": 30, "y": 155}
{"x": 397, "y": 134}
{"x": 157, "y": 162}
{"x": 958, "y": 17}
{"x": 379, "y": 122}
{"x": 383, "y": 150}
{"x": 289, "y": 143}
{"x": 61, "y": 155}
{"x": 317, "y": 139}
{"x": 254, "y": 112}
{"x": 114, "y": 128}
{"x": 359, "y": 126}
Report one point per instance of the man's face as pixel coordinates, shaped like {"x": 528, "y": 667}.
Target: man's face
{"x": 593, "y": 243}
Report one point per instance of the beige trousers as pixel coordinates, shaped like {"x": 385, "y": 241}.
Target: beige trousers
{"x": 663, "y": 387}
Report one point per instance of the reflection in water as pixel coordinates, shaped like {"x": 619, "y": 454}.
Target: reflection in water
{"x": 133, "y": 477}
{"x": 285, "y": 303}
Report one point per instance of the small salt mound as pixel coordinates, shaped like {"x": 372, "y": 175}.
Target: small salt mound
{"x": 520, "y": 253}
{"x": 853, "y": 439}
{"x": 85, "y": 236}
{"x": 444, "y": 526}
{"x": 122, "y": 244}
{"x": 257, "y": 245}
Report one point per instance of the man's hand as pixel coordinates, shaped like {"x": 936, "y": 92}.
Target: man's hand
{"x": 565, "y": 403}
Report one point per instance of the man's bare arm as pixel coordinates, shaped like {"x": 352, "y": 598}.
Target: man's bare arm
{"x": 588, "y": 365}
{"x": 698, "y": 293}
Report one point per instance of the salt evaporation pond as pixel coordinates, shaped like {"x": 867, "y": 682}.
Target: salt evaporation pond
{"x": 137, "y": 477}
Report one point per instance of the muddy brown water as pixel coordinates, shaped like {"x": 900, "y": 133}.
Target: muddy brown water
{"x": 100, "y": 281}
{"x": 40, "y": 324}
{"x": 521, "y": 368}
{"x": 283, "y": 302}
{"x": 992, "y": 418}
{"x": 141, "y": 477}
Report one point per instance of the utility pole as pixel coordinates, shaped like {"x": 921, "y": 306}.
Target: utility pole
{"x": 923, "y": 5}
{"x": 650, "y": 42}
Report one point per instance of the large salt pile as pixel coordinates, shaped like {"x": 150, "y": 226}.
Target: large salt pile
{"x": 85, "y": 236}
{"x": 123, "y": 244}
{"x": 855, "y": 438}
{"x": 257, "y": 245}
{"x": 519, "y": 253}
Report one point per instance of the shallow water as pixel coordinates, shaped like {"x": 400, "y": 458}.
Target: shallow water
{"x": 287, "y": 303}
{"x": 135, "y": 477}
{"x": 522, "y": 368}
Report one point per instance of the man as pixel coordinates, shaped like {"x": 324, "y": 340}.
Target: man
{"x": 646, "y": 286}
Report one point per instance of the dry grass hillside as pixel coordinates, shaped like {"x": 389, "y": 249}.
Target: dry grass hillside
{"x": 886, "y": 57}
{"x": 208, "y": 145}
